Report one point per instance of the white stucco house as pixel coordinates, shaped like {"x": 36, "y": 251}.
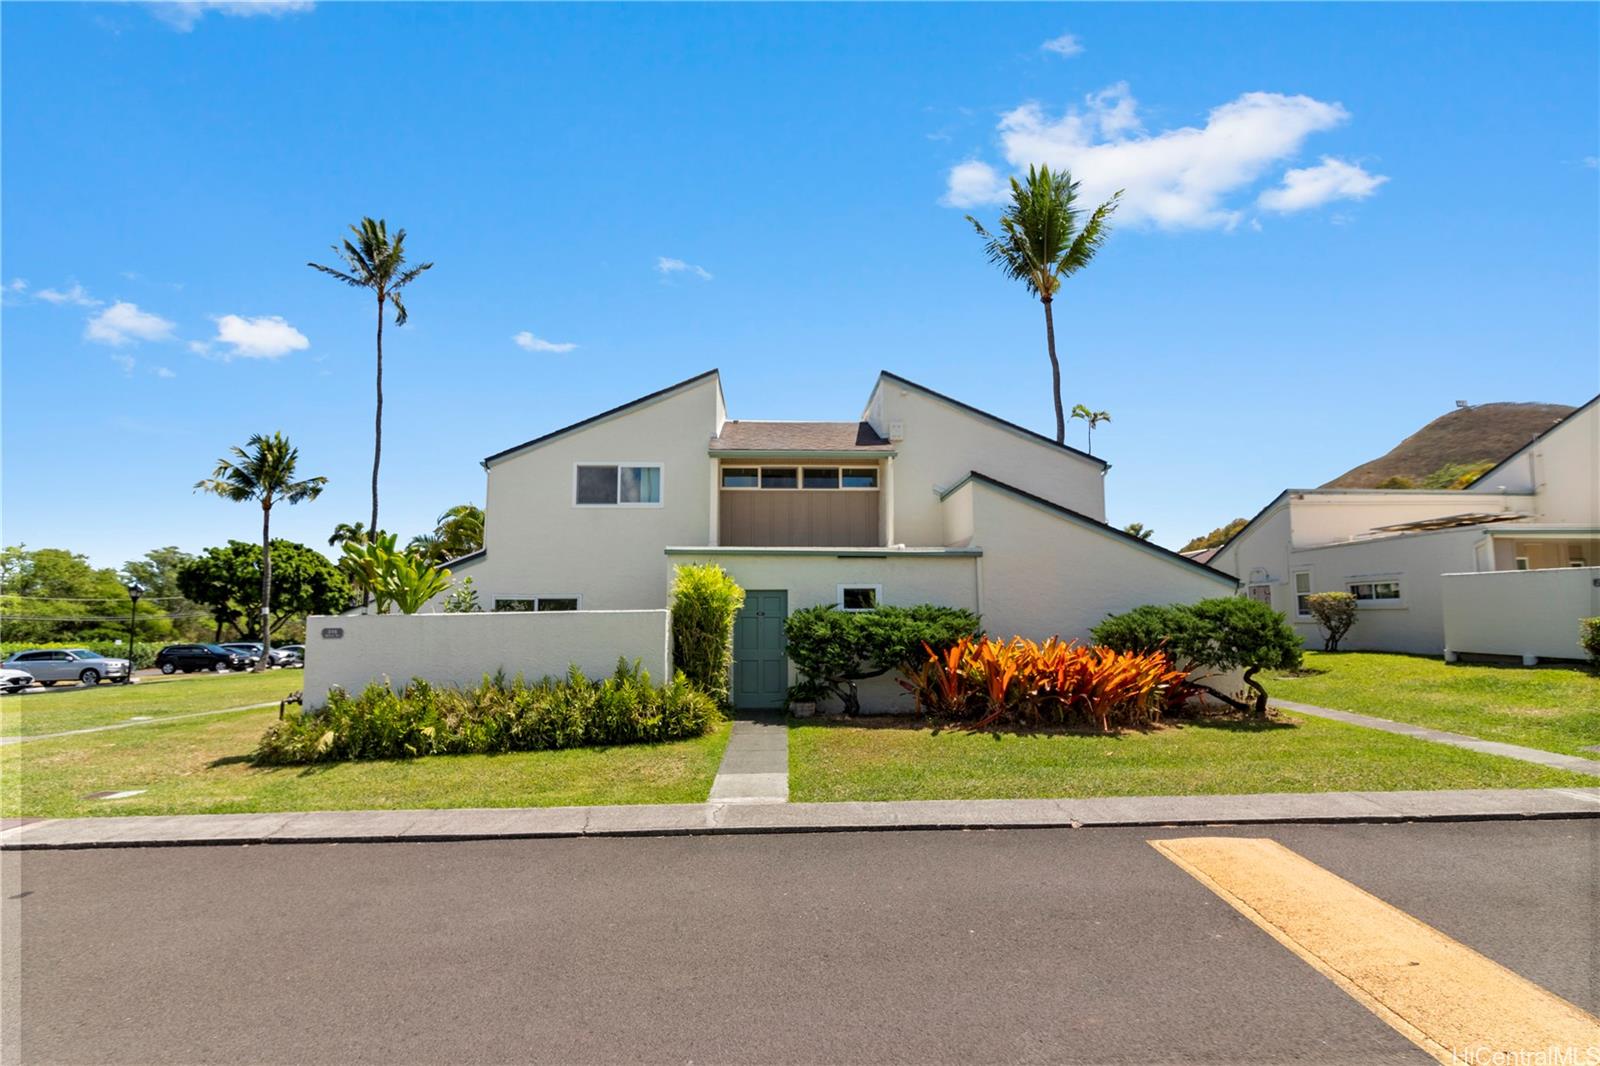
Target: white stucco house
{"x": 1421, "y": 564}
{"x": 923, "y": 499}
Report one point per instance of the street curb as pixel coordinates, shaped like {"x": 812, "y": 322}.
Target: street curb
{"x": 732, "y": 819}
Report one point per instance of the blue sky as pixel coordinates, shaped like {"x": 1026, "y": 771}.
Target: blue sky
{"x": 1340, "y": 220}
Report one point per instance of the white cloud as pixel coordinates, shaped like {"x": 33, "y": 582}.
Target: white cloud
{"x": 1176, "y": 178}
{"x": 182, "y": 16}
{"x": 1332, "y": 179}
{"x": 1590, "y": 161}
{"x": 123, "y": 322}
{"x": 529, "y": 343}
{"x": 125, "y": 362}
{"x": 18, "y": 285}
{"x": 669, "y": 266}
{"x": 1065, "y": 45}
{"x": 162, "y": 372}
{"x": 200, "y": 347}
{"x": 76, "y": 295}
{"x": 267, "y": 337}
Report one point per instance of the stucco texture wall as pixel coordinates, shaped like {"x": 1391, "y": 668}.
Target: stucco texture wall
{"x": 1519, "y": 612}
{"x": 458, "y": 649}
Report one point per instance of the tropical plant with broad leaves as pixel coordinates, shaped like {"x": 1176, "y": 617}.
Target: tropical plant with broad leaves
{"x": 1040, "y": 243}
{"x": 396, "y": 578}
{"x": 1092, "y": 419}
{"x": 264, "y": 471}
{"x": 378, "y": 264}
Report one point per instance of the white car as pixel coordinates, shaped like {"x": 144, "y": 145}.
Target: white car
{"x": 14, "y": 680}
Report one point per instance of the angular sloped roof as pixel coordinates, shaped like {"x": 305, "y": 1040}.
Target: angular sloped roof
{"x": 745, "y": 436}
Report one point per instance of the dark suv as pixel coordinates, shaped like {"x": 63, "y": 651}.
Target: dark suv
{"x": 192, "y": 657}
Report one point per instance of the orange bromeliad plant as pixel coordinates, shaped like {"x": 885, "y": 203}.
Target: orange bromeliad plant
{"x": 1055, "y": 682}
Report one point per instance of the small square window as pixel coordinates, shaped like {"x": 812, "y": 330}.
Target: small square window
{"x": 820, "y": 477}
{"x": 858, "y": 597}
{"x": 865, "y": 477}
{"x": 779, "y": 477}
{"x": 597, "y": 484}
{"x": 740, "y": 477}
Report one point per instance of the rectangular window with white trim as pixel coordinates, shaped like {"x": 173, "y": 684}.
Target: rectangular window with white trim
{"x": 1375, "y": 593}
{"x": 617, "y": 485}
{"x": 1302, "y": 593}
{"x": 536, "y": 603}
{"x": 859, "y": 597}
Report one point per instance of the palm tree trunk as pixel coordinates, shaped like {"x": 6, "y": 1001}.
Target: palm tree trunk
{"x": 377, "y": 429}
{"x": 266, "y": 584}
{"x": 1055, "y": 371}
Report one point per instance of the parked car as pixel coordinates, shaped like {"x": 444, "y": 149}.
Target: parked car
{"x": 252, "y": 650}
{"x": 293, "y": 655}
{"x": 14, "y": 680}
{"x": 191, "y": 657}
{"x": 49, "y": 665}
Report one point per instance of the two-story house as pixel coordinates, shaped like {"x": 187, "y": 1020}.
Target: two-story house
{"x": 923, "y": 499}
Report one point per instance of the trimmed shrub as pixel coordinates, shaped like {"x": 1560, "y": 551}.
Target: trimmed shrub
{"x": 1335, "y": 613}
{"x": 144, "y": 651}
{"x": 985, "y": 682}
{"x": 705, "y": 601}
{"x": 1589, "y": 639}
{"x": 1222, "y": 634}
{"x": 833, "y": 649}
{"x": 496, "y": 715}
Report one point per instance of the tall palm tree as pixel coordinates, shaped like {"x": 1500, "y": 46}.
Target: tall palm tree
{"x": 460, "y": 530}
{"x": 1040, "y": 243}
{"x": 375, "y": 262}
{"x": 1094, "y": 418}
{"x": 263, "y": 470}
{"x": 347, "y": 532}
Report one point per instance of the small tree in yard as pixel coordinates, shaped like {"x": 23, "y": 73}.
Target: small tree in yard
{"x": 1335, "y": 613}
{"x": 705, "y": 602}
{"x": 1589, "y": 640}
{"x": 463, "y": 599}
{"x": 1222, "y": 634}
{"x": 834, "y": 649}
{"x": 396, "y": 578}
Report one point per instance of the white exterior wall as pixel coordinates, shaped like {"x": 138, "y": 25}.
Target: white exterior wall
{"x": 540, "y": 544}
{"x": 1416, "y": 623}
{"x": 1260, "y": 555}
{"x": 1528, "y": 613}
{"x": 458, "y": 649}
{"x": 1325, "y": 518}
{"x": 943, "y": 443}
{"x": 809, "y": 580}
{"x": 1562, "y": 469}
{"x": 1046, "y": 575}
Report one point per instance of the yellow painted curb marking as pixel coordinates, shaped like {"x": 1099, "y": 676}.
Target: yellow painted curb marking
{"x": 1452, "y": 1002}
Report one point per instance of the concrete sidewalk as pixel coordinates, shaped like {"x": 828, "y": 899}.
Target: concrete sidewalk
{"x": 717, "y": 818}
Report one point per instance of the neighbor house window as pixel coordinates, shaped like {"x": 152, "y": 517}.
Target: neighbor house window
{"x": 741, "y": 477}
{"x": 1302, "y": 593}
{"x": 779, "y": 477}
{"x": 618, "y": 485}
{"x": 820, "y": 477}
{"x": 861, "y": 477}
{"x": 537, "y": 603}
{"x": 859, "y": 597}
{"x": 1522, "y": 562}
{"x": 1374, "y": 591}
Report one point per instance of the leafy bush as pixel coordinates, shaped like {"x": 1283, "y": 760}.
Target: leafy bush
{"x": 1222, "y": 634}
{"x": 985, "y": 682}
{"x": 1335, "y": 613}
{"x": 144, "y": 652}
{"x": 833, "y": 649}
{"x": 1589, "y": 639}
{"x": 495, "y": 716}
{"x": 394, "y": 576}
{"x": 463, "y": 599}
{"x": 705, "y": 601}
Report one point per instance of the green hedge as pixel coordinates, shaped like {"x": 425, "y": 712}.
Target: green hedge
{"x": 705, "y": 601}
{"x": 144, "y": 652}
{"x": 494, "y": 716}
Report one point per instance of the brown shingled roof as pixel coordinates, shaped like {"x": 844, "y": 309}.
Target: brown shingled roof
{"x": 737, "y": 436}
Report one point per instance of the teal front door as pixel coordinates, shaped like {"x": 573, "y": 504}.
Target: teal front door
{"x": 760, "y": 669}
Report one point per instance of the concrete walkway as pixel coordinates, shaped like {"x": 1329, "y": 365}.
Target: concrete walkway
{"x": 155, "y": 720}
{"x": 755, "y": 766}
{"x": 1548, "y": 759}
{"x": 321, "y": 827}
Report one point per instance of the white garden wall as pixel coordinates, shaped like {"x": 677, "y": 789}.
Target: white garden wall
{"x": 458, "y": 649}
{"x": 1531, "y": 613}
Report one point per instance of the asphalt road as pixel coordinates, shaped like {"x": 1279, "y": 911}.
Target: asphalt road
{"x": 1019, "y": 946}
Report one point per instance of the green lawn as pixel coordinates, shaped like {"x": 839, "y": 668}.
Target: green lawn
{"x": 199, "y": 766}
{"x": 1553, "y": 708}
{"x": 58, "y": 710}
{"x": 833, "y": 760}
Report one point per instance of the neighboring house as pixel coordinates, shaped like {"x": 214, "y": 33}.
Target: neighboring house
{"x": 924, "y": 499}
{"x": 1538, "y": 509}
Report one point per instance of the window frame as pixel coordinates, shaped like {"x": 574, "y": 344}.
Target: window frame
{"x": 839, "y": 590}
{"x": 1374, "y": 601}
{"x": 618, "y": 465}
{"x": 799, "y": 466}
{"x": 1294, "y": 590}
{"x": 536, "y": 600}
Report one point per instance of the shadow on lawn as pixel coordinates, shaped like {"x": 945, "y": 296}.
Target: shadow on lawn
{"x": 1229, "y": 722}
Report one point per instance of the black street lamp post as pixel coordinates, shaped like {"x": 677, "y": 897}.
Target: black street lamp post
{"x": 135, "y": 590}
